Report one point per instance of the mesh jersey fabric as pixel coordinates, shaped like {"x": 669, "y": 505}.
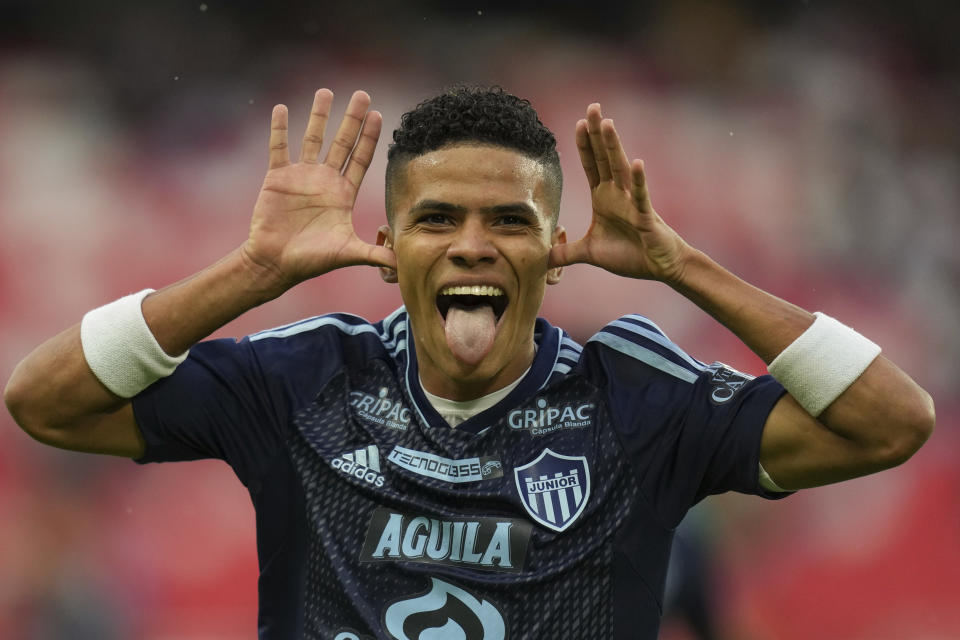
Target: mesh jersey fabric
{"x": 550, "y": 514}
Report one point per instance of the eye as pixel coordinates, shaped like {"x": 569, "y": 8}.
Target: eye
{"x": 512, "y": 220}
{"x": 434, "y": 219}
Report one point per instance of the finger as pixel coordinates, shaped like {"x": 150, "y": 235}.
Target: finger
{"x": 316, "y": 125}
{"x": 594, "y": 118}
{"x": 379, "y": 256}
{"x": 567, "y": 253}
{"x": 641, "y": 195}
{"x": 357, "y": 252}
{"x": 279, "y": 157}
{"x": 587, "y": 158}
{"x": 346, "y": 136}
{"x": 616, "y": 156}
{"x": 362, "y": 155}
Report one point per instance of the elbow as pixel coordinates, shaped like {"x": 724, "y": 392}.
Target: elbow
{"x": 913, "y": 429}
{"x": 15, "y": 400}
{"x": 18, "y": 405}
{"x": 23, "y": 409}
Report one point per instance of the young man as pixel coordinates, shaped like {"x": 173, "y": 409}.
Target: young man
{"x": 548, "y": 509}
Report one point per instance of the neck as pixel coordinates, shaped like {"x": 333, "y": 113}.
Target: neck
{"x": 469, "y": 383}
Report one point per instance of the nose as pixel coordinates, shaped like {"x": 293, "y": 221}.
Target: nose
{"x": 471, "y": 244}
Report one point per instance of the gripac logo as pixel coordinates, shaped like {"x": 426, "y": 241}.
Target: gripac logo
{"x": 445, "y": 611}
{"x": 433, "y": 466}
{"x": 479, "y": 542}
{"x": 725, "y": 382}
{"x": 380, "y": 409}
{"x": 548, "y": 418}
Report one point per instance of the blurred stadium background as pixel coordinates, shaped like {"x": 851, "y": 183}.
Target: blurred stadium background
{"x": 813, "y": 147}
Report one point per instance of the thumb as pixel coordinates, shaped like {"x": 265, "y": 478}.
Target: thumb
{"x": 568, "y": 253}
{"x": 379, "y": 256}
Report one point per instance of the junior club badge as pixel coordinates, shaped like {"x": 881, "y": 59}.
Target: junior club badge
{"x": 554, "y": 488}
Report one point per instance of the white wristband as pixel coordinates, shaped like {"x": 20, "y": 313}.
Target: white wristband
{"x": 120, "y": 348}
{"x": 822, "y": 362}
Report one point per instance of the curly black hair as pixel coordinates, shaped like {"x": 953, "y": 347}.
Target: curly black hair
{"x": 484, "y": 115}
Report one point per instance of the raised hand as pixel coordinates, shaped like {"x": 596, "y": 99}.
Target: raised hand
{"x": 626, "y": 236}
{"x": 302, "y": 222}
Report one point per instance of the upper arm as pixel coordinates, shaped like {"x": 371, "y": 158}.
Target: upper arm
{"x": 799, "y": 452}
{"x": 693, "y": 439}
{"x": 54, "y": 397}
{"x": 115, "y": 433}
{"x": 877, "y": 423}
{"x": 217, "y": 404}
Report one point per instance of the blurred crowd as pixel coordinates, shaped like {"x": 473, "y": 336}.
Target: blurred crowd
{"x": 812, "y": 149}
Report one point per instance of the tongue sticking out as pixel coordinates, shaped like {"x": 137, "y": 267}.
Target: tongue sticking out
{"x": 470, "y": 331}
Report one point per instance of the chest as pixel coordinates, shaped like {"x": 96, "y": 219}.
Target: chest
{"x": 546, "y": 470}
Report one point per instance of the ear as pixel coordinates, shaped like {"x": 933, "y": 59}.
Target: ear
{"x": 559, "y": 237}
{"x": 385, "y": 239}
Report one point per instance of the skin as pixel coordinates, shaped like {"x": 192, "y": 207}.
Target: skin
{"x": 477, "y": 215}
{"x": 302, "y": 227}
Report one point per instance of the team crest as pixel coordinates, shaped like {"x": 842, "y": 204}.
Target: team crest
{"x": 554, "y": 488}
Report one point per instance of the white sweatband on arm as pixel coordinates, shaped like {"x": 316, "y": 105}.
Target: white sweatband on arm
{"x": 822, "y": 362}
{"x": 120, "y": 348}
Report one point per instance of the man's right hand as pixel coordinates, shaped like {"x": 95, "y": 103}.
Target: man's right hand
{"x": 301, "y": 228}
{"x": 302, "y": 222}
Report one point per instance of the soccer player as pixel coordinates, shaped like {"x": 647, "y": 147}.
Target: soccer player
{"x": 462, "y": 468}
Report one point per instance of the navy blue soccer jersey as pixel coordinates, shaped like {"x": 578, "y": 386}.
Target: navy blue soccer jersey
{"x": 549, "y": 515}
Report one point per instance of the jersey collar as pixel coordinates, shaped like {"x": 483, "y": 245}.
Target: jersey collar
{"x": 548, "y": 339}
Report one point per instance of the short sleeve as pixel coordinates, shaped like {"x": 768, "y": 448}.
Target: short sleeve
{"x": 711, "y": 443}
{"x": 723, "y": 427}
{"x": 215, "y": 405}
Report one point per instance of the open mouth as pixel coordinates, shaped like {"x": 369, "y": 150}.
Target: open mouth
{"x": 472, "y": 296}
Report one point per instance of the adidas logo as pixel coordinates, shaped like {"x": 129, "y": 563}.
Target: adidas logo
{"x": 363, "y": 464}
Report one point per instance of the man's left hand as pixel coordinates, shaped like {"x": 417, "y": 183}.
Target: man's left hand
{"x": 626, "y": 236}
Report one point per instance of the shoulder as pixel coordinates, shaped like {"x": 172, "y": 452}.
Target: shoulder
{"x": 641, "y": 366}
{"x": 317, "y": 328}
{"x": 636, "y": 344}
{"x": 333, "y": 330}
{"x": 321, "y": 345}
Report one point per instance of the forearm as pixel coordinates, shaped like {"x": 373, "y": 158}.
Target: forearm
{"x": 883, "y": 410}
{"x": 54, "y": 388}
{"x": 764, "y": 322}
{"x": 182, "y": 314}
{"x": 848, "y": 411}
{"x": 71, "y": 391}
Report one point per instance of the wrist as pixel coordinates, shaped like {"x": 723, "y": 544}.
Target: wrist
{"x": 184, "y": 313}
{"x": 263, "y": 280}
{"x": 690, "y": 266}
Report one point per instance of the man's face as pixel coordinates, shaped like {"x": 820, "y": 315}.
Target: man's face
{"x": 472, "y": 236}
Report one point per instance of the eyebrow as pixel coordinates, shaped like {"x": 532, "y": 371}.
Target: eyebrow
{"x": 437, "y": 205}
{"x": 512, "y": 207}
{"x": 447, "y": 207}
